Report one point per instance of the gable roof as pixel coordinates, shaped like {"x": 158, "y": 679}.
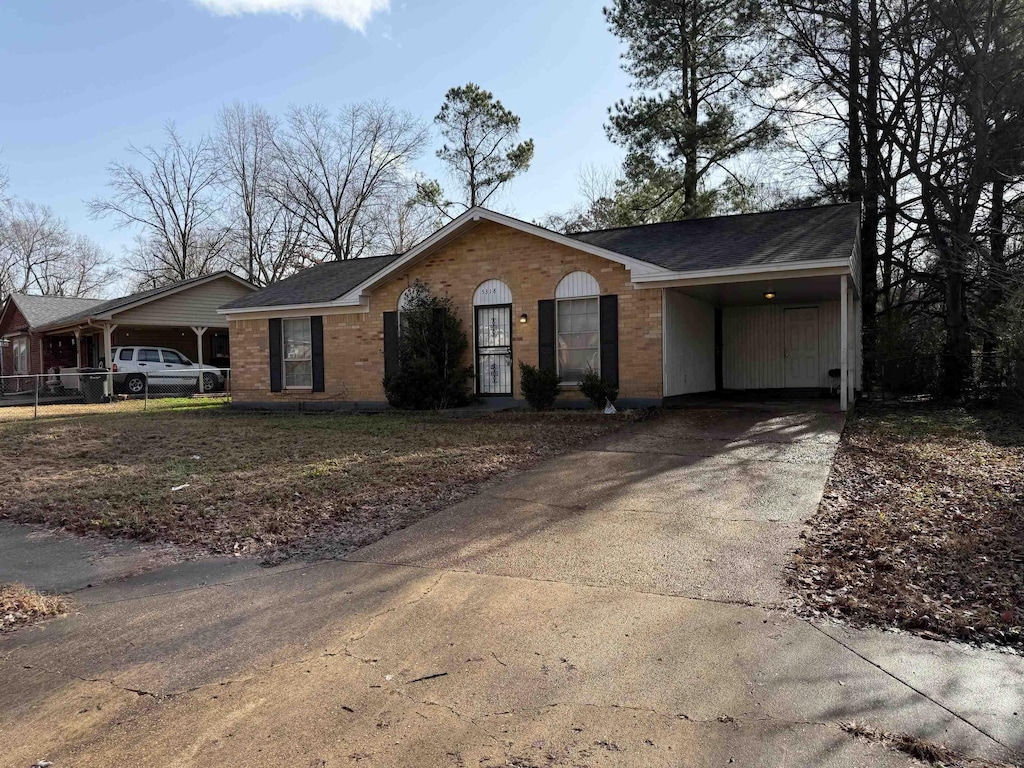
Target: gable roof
{"x": 101, "y": 308}
{"x": 651, "y": 252}
{"x": 42, "y": 310}
{"x": 744, "y": 240}
{"x": 321, "y": 284}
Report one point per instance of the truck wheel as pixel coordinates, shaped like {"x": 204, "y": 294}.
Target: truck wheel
{"x": 135, "y": 385}
{"x": 209, "y": 382}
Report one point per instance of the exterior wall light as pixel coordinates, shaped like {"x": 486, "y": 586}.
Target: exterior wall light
{"x": 522, "y": 318}
{"x": 769, "y": 295}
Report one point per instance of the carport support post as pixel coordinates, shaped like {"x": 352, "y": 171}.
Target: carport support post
{"x": 844, "y": 343}
{"x": 199, "y": 331}
{"x": 108, "y": 332}
{"x": 78, "y": 348}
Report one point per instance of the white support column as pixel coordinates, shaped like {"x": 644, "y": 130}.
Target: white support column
{"x": 844, "y": 343}
{"x": 78, "y": 347}
{"x": 108, "y": 332}
{"x": 851, "y": 355}
{"x": 199, "y": 331}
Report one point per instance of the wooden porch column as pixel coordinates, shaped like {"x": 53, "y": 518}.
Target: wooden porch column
{"x": 199, "y": 331}
{"x": 78, "y": 347}
{"x": 108, "y": 331}
{"x": 844, "y": 343}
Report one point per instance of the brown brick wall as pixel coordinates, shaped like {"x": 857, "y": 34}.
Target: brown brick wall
{"x": 530, "y": 266}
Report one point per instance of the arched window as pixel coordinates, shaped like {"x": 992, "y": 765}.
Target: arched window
{"x": 403, "y": 304}
{"x": 578, "y": 326}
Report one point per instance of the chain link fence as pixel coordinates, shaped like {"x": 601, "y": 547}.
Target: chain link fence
{"x": 992, "y": 377}
{"x": 74, "y": 392}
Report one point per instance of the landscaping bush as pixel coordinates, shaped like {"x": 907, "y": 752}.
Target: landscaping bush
{"x": 597, "y": 389}
{"x": 540, "y": 388}
{"x": 431, "y": 350}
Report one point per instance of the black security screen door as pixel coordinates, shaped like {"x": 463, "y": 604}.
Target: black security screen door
{"x": 494, "y": 350}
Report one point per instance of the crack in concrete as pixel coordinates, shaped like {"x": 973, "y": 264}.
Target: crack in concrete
{"x": 158, "y": 696}
{"x": 914, "y": 688}
{"x": 722, "y": 719}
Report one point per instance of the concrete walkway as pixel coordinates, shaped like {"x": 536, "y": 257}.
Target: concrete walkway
{"x": 620, "y": 606}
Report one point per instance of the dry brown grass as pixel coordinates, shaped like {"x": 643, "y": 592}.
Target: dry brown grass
{"x": 924, "y": 751}
{"x": 258, "y": 482}
{"x": 20, "y": 606}
{"x": 922, "y": 526}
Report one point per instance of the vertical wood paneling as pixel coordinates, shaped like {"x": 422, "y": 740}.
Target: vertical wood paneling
{"x": 689, "y": 344}
{"x": 577, "y": 284}
{"x": 492, "y": 292}
{"x": 754, "y": 344}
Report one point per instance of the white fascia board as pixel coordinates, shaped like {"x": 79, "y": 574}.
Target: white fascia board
{"x": 474, "y": 215}
{"x": 757, "y": 269}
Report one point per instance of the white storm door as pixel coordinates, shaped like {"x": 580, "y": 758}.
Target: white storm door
{"x": 801, "y": 353}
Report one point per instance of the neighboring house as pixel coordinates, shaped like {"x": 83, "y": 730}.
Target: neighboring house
{"x": 762, "y": 301}
{"x": 43, "y": 333}
{"x": 23, "y": 350}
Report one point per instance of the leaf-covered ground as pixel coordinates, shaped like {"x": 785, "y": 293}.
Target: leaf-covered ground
{"x": 922, "y": 526}
{"x": 20, "y": 606}
{"x": 220, "y": 481}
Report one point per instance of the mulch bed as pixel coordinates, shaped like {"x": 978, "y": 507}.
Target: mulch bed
{"x": 922, "y": 526}
{"x": 226, "y": 482}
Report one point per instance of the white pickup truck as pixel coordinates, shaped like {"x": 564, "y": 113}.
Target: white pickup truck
{"x": 164, "y": 368}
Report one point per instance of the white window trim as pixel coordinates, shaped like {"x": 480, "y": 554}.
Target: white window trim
{"x": 285, "y": 359}
{"x": 558, "y": 362}
{"x": 15, "y": 343}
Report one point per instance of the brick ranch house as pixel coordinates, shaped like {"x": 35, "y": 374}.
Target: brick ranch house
{"x": 766, "y": 301}
{"x": 40, "y": 334}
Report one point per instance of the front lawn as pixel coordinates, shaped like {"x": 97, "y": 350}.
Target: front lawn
{"x": 221, "y": 481}
{"x": 922, "y": 526}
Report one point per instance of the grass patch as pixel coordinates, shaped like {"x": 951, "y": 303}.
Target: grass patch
{"x": 20, "y": 606}
{"x": 252, "y": 482}
{"x": 922, "y": 526}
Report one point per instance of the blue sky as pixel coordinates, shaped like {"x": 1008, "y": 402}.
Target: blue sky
{"x": 83, "y": 79}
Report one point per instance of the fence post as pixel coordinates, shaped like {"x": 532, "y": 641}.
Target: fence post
{"x": 145, "y": 392}
{"x": 35, "y": 409}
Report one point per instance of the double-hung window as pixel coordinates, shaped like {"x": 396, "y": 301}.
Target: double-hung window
{"x": 579, "y": 347}
{"x": 20, "y": 346}
{"x": 298, "y": 352}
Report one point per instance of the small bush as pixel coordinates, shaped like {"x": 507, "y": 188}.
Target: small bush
{"x": 431, "y": 350}
{"x": 540, "y": 388}
{"x": 597, "y": 389}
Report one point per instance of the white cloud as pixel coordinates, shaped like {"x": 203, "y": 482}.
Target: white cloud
{"x": 353, "y": 13}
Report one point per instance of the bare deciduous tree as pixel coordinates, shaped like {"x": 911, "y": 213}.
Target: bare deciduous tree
{"x": 170, "y": 196}
{"x": 336, "y": 172}
{"x": 38, "y": 254}
{"x": 266, "y": 238}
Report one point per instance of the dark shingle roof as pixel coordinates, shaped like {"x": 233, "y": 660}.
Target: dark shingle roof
{"x": 320, "y": 284}
{"x": 803, "y": 234}
{"x": 42, "y": 310}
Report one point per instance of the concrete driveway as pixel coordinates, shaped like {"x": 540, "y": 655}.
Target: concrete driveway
{"x": 619, "y": 606}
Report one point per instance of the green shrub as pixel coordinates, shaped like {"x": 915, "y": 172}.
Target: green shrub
{"x": 431, "y": 349}
{"x": 598, "y": 390}
{"x": 540, "y": 388}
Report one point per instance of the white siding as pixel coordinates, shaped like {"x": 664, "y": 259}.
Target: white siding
{"x": 492, "y": 292}
{"x": 753, "y": 345}
{"x": 689, "y": 344}
{"x": 192, "y": 306}
{"x": 577, "y": 284}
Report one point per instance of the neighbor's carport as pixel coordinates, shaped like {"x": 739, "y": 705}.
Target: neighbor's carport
{"x": 182, "y": 316}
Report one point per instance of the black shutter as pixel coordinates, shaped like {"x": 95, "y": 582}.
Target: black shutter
{"x": 390, "y": 343}
{"x": 275, "y": 354}
{"x": 546, "y": 335}
{"x": 316, "y": 326}
{"x": 610, "y": 338}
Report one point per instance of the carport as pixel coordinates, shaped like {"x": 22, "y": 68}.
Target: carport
{"x": 182, "y": 316}
{"x": 794, "y": 330}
